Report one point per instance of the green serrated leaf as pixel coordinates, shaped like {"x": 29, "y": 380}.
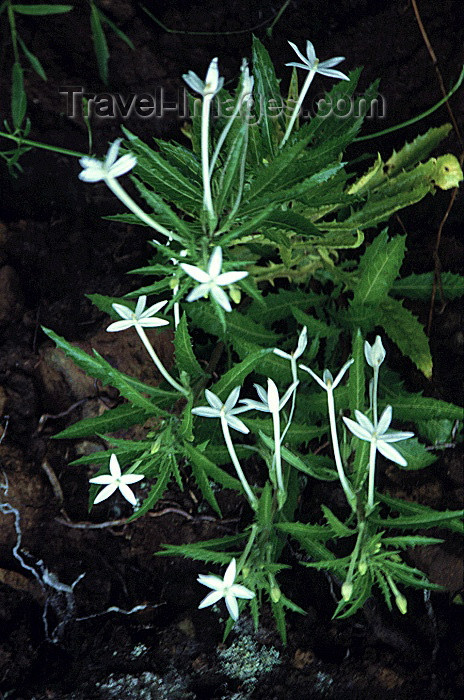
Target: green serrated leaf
{"x": 408, "y": 334}
{"x": 210, "y": 469}
{"x": 378, "y": 268}
{"x": 238, "y": 373}
{"x": 421, "y": 286}
{"x": 155, "y": 494}
{"x": 122, "y": 416}
{"x": 185, "y": 357}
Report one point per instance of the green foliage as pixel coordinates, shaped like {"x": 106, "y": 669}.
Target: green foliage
{"x": 291, "y": 210}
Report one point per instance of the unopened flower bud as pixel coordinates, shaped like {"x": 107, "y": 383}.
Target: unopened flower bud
{"x": 374, "y": 354}
{"x": 347, "y": 591}
{"x": 401, "y": 603}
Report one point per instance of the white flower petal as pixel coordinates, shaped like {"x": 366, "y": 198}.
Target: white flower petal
{"x": 105, "y": 493}
{"x": 397, "y": 436}
{"x": 123, "y": 311}
{"x": 206, "y": 412}
{"x": 384, "y": 421}
{"x": 314, "y": 376}
{"x": 210, "y": 599}
{"x": 120, "y": 326}
{"x": 333, "y": 74}
{"x": 152, "y": 322}
{"x": 115, "y": 469}
{"x": 139, "y": 307}
{"x": 240, "y": 591}
{"x": 310, "y": 52}
{"x": 123, "y": 165}
{"x": 299, "y": 54}
{"x": 215, "y": 262}
{"x": 229, "y": 576}
{"x": 341, "y": 374}
{"x": 127, "y": 493}
{"x": 152, "y": 310}
{"x": 92, "y": 174}
{"x": 211, "y": 581}
{"x": 220, "y": 297}
{"x": 102, "y": 479}
{"x": 391, "y": 453}
{"x": 283, "y": 354}
{"x": 199, "y": 292}
{"x": 232, "y": 606}
{"x": 112, "y": 153}
{"x": 236, "y": 424}
{"x": 302, "y": 343}
{"x": 230, "y": 277}
{"x": 232, "y": 399}
{"x": 213, "y": 400}
{"x": 331, "y": 62}
{"x": 364, "y": 422}
{"x": 357, "y": 430}
{"x": 195, "y": 272}
{"x": 272, "y": 396}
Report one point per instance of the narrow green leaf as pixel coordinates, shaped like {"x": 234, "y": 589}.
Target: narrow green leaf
{"x": 356, "y": 380}
{"x": 314, "y": 325}
{"x": 18, "y": 96}
{"x": 33, "y": 60}
{"x": 99, "y": 42}
{"x": 119, "y": 33}
{"x": 201, "y": 477}
{"x": 43, "y": 9}
{"x": 267, "y": 96}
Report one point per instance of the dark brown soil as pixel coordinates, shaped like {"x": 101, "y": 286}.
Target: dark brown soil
{"x": 130, "y": 628}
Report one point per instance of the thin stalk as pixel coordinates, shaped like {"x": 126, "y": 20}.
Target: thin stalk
{"x": 223, "y": 136}
{"x": 372, "y": 456}
{"x": 122, "y": 195}
{"x": 338, "y": 460}
{"x": 149, "y": 348}
{"x": 207, "y": 198}
{"x": 296, "y": 111}
{"x": 292, "y": 409}
{"x": 247, "y": 550}
{"x": 347, "y": 588}
{"x": 277, "y": 452}
{"x": 374, "y": 396}
{"x": 233, "y": 455}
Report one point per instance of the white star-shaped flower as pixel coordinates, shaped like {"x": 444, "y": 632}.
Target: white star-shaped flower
{"x": 226, "y": 411}
{"x": 328, "y": 382}
{"x": 115, "y": 480}
{"x": 225, "y": 588}
{"x": 140, "y": 317}
{"x": 270, "y": 400}
{"x": 212, "y": 84}
{"x": 110, "y": 168}
{"x": 211, "y": 282}
{"x": 378, "y": 436}
{"x": 301, "y": 347}
{"x": 310, "y": 62}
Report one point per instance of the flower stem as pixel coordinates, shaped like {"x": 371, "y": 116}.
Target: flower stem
{"x": 372, "y": 456}
{"x": 296, "y": 111}
{"x": 122, "y": 195}
{"x": 149, "y": 348}
{"x": 207, "y": 199}
{"x": 278, "y": 456}
{"x": 338, "y": 460}
{"x": 233, "y": 455}
{"x": 347, "y": 587}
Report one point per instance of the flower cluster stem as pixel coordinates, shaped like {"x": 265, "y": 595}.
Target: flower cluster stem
{"x": 338, "y": 460}
{"x": 122, "y": 195}
{"x": 296, "y": 111}
{"x": 207, "y": 198}
{"x": 233, "y": 455}
{"x": 149, "y": 348}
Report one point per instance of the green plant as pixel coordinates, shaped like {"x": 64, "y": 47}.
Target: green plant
{"x": 257, "y": 200}
{"x": 20, "y": 125}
